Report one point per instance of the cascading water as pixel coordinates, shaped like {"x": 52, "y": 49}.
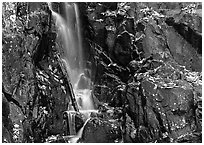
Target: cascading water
{"x": 69, "y": 33}
{"x": 68, "y": 25}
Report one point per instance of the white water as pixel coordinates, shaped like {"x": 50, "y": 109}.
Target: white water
{"x": 69, "y": 38}
{"x": 78, "y": 135}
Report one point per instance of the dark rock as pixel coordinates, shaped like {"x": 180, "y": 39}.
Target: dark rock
{"x": 190, "y": 35}
{"x": 18, "y": 59}
{"x": 33, "y": 6}
{"x": 122, "y": 49}
{"x": 110, "y": 5}
{"x": 57, "y": 109}
{"x": 77, "y": 120}
{"x": 182, "y": 51}
{"x": 134, "y": 65}
{"x": 160, "y": 112}
{"x": 176, "y": 115}
{"x": 6, "y": 135}
{"x": 100, "y": 131}
{"x": 110, "y": 41}
{"x": 162, "y": 41}
{"x": 117, "y": 100}
{"x": 21, "y": 9}
{"x": 5, "y": 106}
{"x": 44, "y": 47}
{"x": 7, "y": 126}
{"x": 154, "y": 43}
{"x": 145, "y": 120}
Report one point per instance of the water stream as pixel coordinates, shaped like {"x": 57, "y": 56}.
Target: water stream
{"x": 69, "y": 34}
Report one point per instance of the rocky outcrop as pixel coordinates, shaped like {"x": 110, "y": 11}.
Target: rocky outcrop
{"x": 159, "y": 96}
{"x": 163, "y": 106}
{"x": 149, "y": 34}
{"x": 31, "y": 71}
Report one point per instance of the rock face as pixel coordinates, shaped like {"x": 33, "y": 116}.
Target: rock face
{"x": 160, "y": 107}
{"x": 149, "y": 34}
{"x": 162, "y": 110}
{"x": 164, "y": 42}
{"x": 32, "y": 72}
{"x": 172, "y": 109}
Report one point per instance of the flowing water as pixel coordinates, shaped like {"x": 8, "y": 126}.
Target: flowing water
{"x": 75, "y": 138}
{"x": 70, "y": 41}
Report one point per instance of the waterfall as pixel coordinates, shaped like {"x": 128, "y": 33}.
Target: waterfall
{"x": 69, "y": 38}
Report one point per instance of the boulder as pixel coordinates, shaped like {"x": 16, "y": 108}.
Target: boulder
{"x": 182, "y": 51}
{"x": 97, "y": 130}
{"x": 162, "y": 106}
{"x": 172, "y": 107}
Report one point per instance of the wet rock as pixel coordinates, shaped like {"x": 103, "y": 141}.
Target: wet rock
{"x": 102, "y": 92}
{"x": 110, "y": 5}
{"x": 165, "y": 43}
{"x": 117, "y": 100}
{"x": 110, "y": 41}
{"x": 192, "y": 36}
{"x": 57, "y": 109}
{"x": 182, "y": 51}
{"x": 100, "y": 131}
{"x": 77, "y": 120}
{"x": 19, "y": 49}
{"x": 143, "y": 116}
{"x": 6, "y": 135}
{"x": 161, "y": 107}
{"x": 174, "y": 112}
{"x": 134, "y": 65}
{"x": 122, "y": 49}
{"x": 5, "y": 106}
{"x": 7, "y": 126}
{"x": 154, "y": 41}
